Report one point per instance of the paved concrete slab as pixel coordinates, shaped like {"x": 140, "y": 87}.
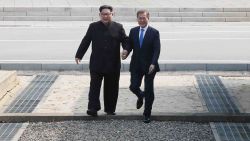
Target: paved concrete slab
{"x": 239, "y": 88}
{"x": 8, "y": 80}
{"x": 170, "y": 90}
{"x": 24, "y": 80}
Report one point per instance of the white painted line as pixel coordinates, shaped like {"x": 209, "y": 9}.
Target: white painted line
{"x": 39, "y": 60}
{"x": 204, "y": 62}
{"x": 206, "y": 31}
{"x": 206, "y": 39}
{"x": 40, "y": 40}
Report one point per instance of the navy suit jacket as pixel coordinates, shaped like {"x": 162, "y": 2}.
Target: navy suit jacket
{"x": 146, "y": 55}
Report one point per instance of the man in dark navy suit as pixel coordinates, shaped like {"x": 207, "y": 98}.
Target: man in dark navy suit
{"x": 145, "y": 43}
{"x": 105, "y": 63}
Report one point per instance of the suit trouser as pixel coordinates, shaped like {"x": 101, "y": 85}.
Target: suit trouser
{"x": 136, "y": 79}
{"x": 111, "y": 89}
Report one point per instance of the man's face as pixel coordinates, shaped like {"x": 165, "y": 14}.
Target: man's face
{"x": 142, "y": 19}
{"x": 106, "y": 15}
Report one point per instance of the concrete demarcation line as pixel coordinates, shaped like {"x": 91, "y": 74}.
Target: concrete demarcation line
{"x": 188, "y": 117}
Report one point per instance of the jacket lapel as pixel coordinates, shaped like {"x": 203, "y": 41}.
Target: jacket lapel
{"x": 137, "y": 37}
{"x": 146, "y": 36}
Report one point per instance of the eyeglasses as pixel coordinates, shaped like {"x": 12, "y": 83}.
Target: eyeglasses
{"x": 105, "y": 14}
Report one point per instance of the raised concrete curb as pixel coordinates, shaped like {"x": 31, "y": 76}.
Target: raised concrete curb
{"x": 8, "y": 80}
{"x": 188, "y": 117}
{"x": 125, "y": 67}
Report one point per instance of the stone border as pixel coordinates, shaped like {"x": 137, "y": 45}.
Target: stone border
{"x": 121, "y": 9}
{"x": 158, "y": 14}
{"x": 125, "y": 67}
{"x": 188, "y": 117}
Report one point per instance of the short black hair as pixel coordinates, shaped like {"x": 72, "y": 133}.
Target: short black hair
{"x": 106, "y": 7}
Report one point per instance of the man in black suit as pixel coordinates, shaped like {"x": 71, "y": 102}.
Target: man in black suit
{"x": 145, "y": 43}
{"x": 106, "y": 37}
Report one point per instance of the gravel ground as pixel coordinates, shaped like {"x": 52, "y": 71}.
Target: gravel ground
{"x": 117, "y": 130}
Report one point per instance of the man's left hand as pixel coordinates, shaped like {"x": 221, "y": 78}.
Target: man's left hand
{"x": 151, "y": 69}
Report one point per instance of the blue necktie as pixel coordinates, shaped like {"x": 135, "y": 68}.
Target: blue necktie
{"x": 141, "y": 37}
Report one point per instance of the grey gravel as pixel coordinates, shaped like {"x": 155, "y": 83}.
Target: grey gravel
{"x": 117, "y": 130}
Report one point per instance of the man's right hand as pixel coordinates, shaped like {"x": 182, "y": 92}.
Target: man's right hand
{"x": 124, "y": 54}
{"x": 77, "y": 60}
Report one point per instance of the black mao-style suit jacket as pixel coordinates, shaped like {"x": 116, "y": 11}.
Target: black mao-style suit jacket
{"x": 106, "y": 41}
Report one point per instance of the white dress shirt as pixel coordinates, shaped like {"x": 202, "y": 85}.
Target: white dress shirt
{"x": 145, "y": 29}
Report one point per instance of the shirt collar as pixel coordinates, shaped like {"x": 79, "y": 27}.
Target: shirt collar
{"x": 107, "y": 24}
{"x": 145, "y": 28}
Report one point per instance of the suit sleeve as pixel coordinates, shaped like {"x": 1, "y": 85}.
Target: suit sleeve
{"x": 156, "y": 48}
{"x": 124, "y": 39}
{"x": 131, "y": 45}
{"x": 85, "y": 43}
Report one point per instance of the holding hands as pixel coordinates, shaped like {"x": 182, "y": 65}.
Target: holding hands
{"x": 124, "y": 54}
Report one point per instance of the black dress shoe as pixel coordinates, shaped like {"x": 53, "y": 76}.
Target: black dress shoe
{"x": 111, "y": 113}
{"x": 92, "y": 113}
{"x": 146, "y": 119}
{"x": 139, "y": 103}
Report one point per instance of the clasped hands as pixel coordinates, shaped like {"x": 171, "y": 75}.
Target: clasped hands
{"x": 124, "y": 54}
